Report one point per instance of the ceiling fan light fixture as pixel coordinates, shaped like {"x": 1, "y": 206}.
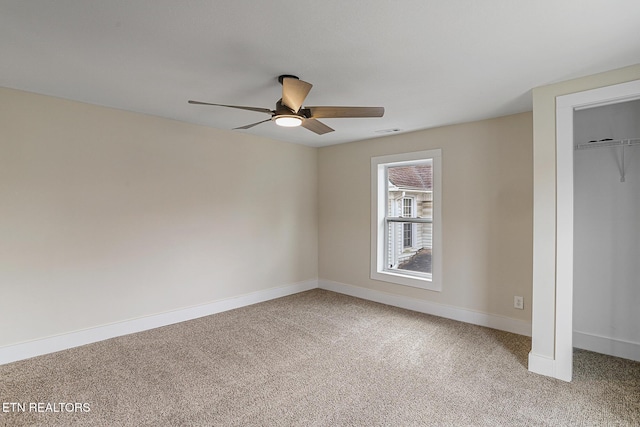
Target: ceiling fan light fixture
{"x": 288, "y": 121}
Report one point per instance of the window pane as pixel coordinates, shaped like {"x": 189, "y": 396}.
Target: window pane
{"x": 410, "y": 190}
{"x": 416, "y": 256}
{"x": 406, "y": 207}
{"x": 413, "y": 177}
{"x": 410, "y": 195}
{"x": 407, "y": 235}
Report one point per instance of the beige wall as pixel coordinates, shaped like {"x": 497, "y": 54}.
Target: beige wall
{"x": 487, "y": 213}
{"x": 107, "y": 215}
{"x": 544, "y": 141}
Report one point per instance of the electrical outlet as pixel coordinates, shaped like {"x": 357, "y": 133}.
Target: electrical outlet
{"x": 518, "y": 302}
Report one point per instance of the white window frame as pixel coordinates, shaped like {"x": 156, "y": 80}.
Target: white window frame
{"x": 379, "y": 205}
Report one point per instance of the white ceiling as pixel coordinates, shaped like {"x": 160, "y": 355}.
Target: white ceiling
{"x": 428, "y": 62}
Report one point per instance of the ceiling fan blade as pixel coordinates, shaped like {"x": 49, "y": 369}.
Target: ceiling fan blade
{"x": 316, "y": 126}
{"x": 344, "y": 112}
{"x": 240, "y": 107}
{"x": 294, "y": 91}
{"x": 252, "y": 124}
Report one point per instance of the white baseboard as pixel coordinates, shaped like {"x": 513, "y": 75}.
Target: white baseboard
{"x": 52, "y": 344}
{"x": 542, "y": 365}
{"x": 468, "y": 316}
{"x": 47, "y": 345}
{"x": 606, "y": 345}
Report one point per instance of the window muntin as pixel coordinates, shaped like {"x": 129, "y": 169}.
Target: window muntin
{"x": 405, "y": 219}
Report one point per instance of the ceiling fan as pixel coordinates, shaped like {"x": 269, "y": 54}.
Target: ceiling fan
{"x": 289, "y": 111}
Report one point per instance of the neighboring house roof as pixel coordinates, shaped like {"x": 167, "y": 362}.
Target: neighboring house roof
{"x": 419, "y": 177}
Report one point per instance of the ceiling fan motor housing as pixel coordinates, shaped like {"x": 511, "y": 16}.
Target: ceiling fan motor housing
{"x": 282, "y": 109}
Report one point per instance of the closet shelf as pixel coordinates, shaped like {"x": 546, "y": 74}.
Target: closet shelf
{"x": 608, "y": 143}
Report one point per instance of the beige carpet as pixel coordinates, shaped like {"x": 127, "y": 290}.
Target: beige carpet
{"x": 317, "y": 359}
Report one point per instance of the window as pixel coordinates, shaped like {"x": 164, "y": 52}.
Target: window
{"x": 407, "y": 229}
{"x": 405, "y": 220}
{"x": 407, "y": 235}
{"x": 407, "y": 206}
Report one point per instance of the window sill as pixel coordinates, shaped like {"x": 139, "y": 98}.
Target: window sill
{"x": 406, "y": 280}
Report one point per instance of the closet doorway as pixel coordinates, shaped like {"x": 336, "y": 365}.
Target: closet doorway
{"x": 571, "y": 215}
{"x": 606, "y": 243}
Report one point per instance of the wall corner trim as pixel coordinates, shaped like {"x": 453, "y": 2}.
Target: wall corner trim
{"x": 29, "y": 349}
{"x": 450, "y": 312}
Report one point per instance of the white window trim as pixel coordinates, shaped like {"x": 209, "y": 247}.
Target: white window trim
{"x": 378, "y": 212}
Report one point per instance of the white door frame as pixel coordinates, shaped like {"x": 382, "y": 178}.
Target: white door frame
{"x": 566, "y": 105}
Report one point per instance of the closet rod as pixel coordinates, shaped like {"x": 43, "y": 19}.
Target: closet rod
{"x": 607, "y": 143}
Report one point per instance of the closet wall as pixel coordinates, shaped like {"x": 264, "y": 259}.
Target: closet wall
{"x": 606, "y": 313}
